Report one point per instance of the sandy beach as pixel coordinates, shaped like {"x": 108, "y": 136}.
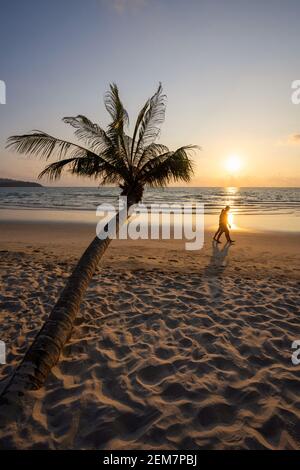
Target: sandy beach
{"x": 172, "y": 349}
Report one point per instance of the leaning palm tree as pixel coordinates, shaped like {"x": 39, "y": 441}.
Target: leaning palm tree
{"x": 111, "y": 157}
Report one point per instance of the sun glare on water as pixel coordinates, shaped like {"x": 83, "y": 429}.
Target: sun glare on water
{"x": 230, "y": 219}
{"x": 233, "y": 164}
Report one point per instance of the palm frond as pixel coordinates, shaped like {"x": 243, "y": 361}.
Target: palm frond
{"x": 90, "y": 165}
{"x": 54, "y": 170}
{"x": 151, "y": 121}
{"x": 168, "y": 167}
{"x": 114, "y": 106}
{"x": 44, "y": 145}
{"x": 150, "y": 152}
{"x": 94, "y": 136}
{"x": 81, "y": 160}
{"x": 136, "y": 128}
{"x": 120, "y": 120}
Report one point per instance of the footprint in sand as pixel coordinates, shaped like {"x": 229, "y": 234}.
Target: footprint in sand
{"x": 154, "y": 374}
{"x": 214, "y": 413}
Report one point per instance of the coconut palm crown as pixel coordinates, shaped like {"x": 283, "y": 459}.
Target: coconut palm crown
{"x": 111, "y": 156}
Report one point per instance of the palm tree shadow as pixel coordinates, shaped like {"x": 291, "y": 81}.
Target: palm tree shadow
{"x": 215, "y": 269}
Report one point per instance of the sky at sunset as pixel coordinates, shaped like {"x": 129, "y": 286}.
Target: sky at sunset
{"x": 226, "y": 67}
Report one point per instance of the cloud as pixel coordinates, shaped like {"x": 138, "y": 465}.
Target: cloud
{"x": 294, "y": 139}
{"x": 120, "y": 6}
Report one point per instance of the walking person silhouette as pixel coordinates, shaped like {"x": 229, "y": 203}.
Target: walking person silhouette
{"x": 223, "y": 226}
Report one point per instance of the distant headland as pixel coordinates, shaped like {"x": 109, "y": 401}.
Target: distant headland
{"x": 8, "y": 183}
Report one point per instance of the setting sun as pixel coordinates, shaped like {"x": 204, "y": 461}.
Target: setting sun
{"x": 233, "y": 163}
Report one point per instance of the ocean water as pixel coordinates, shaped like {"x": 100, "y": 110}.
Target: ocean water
{"x": 242, "y": 200}
{"x": 276, "y": 209}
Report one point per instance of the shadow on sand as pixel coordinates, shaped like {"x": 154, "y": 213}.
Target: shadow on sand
{"x": 216, "y": 267}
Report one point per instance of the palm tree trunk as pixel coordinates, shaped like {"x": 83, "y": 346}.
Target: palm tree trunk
{"x": 45, "y": 350}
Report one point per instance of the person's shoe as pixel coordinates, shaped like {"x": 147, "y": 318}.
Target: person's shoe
{"x": 231, "y": 241}
{"x": 218, "y": 241}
